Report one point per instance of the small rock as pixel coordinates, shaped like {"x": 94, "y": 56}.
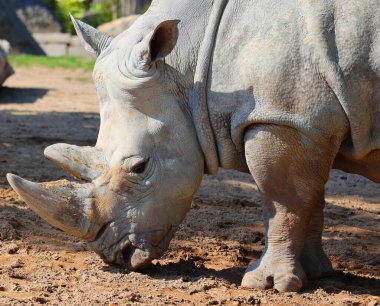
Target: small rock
{"x": 17, "y": 264}
{"x": 40, "y": 300}
{"x": 17, "y": 275}
{"x": 254, "y": 301}
{"x": 133, "y": 297}
{"x": 233, "y": 286}
{"x": 13, "y": 249}
{"x": 373, "y": 303}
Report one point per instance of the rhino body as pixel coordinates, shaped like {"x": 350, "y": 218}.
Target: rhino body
{"x": 5, "y": 69}
{"x": 285, "y": 90}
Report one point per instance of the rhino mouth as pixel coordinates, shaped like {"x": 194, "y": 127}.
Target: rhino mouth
{"x": 131, "y": 251}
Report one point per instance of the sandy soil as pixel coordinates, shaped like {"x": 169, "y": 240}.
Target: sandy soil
{"x": 206, "y": 259}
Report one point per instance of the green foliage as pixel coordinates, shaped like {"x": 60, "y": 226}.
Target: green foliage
{"x": 66, "y": 61}
{"x": 64, "y": 8}
{"x": 94, "y": 14}
{"x": 144, "y": 8}
{"x": 86, "y": 10}
{"x": 100, "y": 13}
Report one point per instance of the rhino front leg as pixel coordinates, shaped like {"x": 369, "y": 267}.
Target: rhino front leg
{"x": 290, "y": 171}
{"x": 313, "y": 259}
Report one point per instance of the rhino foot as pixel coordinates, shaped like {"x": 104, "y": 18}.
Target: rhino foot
{"x": 284, "y": 277}
{"x": 315, "y": 263}
{"x": 313, "y": 259}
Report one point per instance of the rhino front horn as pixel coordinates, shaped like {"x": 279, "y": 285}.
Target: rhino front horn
{"x": 63, "y": 204}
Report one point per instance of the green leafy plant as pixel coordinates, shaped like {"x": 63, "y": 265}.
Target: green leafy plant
{"x": 94, "y": 14}
{"x": 144, "y": 8}
{"x": 100, "y": 13}
{"x": 66, "y": 7}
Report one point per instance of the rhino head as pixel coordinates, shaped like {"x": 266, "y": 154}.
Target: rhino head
{"x": 136, "y": 185}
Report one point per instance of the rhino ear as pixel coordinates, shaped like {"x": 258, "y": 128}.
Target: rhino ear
{"x": 157, "y": 44}
{"x": 92, "y": 40}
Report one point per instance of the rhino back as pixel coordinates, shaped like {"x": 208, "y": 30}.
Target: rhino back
{"x": 295, "y": 63}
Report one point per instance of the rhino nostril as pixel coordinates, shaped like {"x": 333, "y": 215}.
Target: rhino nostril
{"x": 102, "y": 230}
{"x": 127, "y": 254}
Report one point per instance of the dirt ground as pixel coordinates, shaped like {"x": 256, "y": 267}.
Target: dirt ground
{"x": 206, "y": 259}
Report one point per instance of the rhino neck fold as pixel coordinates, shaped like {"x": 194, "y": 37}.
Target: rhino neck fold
{"x": 198, "y": 101}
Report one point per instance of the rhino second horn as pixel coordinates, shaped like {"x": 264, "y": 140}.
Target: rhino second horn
{"x": 92, "y": 39}
{"x": 83, "y": 162}
{"x": 66, "y": 206}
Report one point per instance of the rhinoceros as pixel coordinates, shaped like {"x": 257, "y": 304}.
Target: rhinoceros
{"x": 285, "y": 90}
{"x": 5, "y": 69}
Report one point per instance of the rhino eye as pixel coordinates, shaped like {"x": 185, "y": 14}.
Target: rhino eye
{"x": 139, "y": 167}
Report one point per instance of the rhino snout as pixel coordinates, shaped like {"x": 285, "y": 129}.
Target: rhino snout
{"x": 133, "y": 251}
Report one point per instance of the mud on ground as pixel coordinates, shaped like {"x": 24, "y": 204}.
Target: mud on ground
{"x": 206, "y": 259}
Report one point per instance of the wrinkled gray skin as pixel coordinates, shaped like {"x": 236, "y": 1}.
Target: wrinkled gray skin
{"x": 5, "y": 69}
{"x": 293, "y": 89}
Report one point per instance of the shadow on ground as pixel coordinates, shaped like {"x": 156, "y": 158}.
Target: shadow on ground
{"x": 21, "y": 95}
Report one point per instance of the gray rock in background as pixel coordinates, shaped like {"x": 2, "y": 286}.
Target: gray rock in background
{"x": 54, "y": 44}
{"x": 38, "y": 19}
{"x": 117, "y": 26}
{"x": 13, "y": 30}
{"x": 58, "y": 44}
{"x": 5, "y": 69}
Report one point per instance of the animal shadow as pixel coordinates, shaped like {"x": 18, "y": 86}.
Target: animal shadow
{"x": 21, "y": 95}
{"x": 345, "y": 281}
